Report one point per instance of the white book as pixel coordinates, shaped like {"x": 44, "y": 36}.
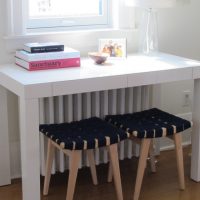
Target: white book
{"x": 67, "y": 53}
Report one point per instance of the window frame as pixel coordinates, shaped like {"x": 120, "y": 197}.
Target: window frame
{"x": 120, "y": 17}
{"x": 72, "y": 22}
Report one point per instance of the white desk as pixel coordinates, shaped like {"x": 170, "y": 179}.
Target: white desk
{"x": 134, "y": 71}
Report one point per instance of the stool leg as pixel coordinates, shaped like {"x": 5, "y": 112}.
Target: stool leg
{"x": 90, "y": 155}
{"x": 152, "y": 163}
{"x": 179, "y": 158}
{"x": 73, "y": 170}
{"x": 144, "y": 149}
{"x": 110, "y": 173}
{"x": 152, "y": 157}
{"x": 49, "y": 162}
{"x": 113, "y": 153}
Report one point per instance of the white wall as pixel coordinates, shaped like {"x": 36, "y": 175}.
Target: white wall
{"x": 5, "y": 57}
{"x": 179, "y": 33}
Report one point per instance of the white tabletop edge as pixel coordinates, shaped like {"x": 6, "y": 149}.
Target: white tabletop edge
{"x": 135, "y": 65}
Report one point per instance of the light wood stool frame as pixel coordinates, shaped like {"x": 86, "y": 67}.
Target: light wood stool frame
{"x": 146, "y": 147}
{"x": 74, "y": 157}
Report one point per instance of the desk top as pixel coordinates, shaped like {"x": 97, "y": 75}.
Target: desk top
{"x": 136, "y": 70}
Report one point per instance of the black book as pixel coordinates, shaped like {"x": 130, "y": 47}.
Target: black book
{"x": 43, "y": 47}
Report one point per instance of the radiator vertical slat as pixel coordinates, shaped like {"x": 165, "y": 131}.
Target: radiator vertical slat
{"x": 77, "y": 107}
{"x": 78, "y": 115}
{"x": 104, "y": 103}
{"x": 129, "y": 100}
{"x": 145, "y": 97}
{"x": 68, "y": 117}
{"x": 96, "y": 112}
{"x": 42, "y": 139}
{"x": 121, "y": 110}
{"x": 138, "y": 99}
{"x": 103, "y": 113}
{"x": 129, "y": 109}
{"x": 112, "y": 97}
{"x": 121, "y": 101}
{"x": 87, "y": 112}
{"x": 60, "y": 119}
{"x": 68, "y": 108}
{"x": 96, "y": 104}
{"x": 137, "y": 107}
{"x": 112, "y": 102}
{"x": 51, "y": 120}
{"x": 87, "y": 109}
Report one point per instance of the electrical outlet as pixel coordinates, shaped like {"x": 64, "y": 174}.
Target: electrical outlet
{"x": 186, "y": 98}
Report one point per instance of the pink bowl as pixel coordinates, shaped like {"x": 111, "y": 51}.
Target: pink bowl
{"x": 98, "y": 57}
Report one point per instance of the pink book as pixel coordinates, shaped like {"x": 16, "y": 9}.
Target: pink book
{"x": 48, "y": 64}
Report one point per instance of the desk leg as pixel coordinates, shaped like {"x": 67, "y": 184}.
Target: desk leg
{"x": 195, "y": 163}
{"x": 5, "y": 177}
{"x": 30, "y": 157}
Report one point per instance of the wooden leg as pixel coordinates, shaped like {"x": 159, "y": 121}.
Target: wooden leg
{"x": 90, "y": 155}
{"x": 113, "y": 153}
{"x": 179, "y": 158}
{"x": 110, "y": 172}
{"x": 73, "y": 170}
{"x": 144, "y": 149}
{"x": 49, "y": 162}
{"x": 152, "y": 157}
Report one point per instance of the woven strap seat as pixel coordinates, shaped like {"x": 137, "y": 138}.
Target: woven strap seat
{"x": 84, "y": 134}
{"x": 150, "y": 123}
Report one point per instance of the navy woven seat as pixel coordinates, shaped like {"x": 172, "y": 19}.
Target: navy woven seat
{"x": 84, "y": 134}
{"x": 72, "y": 138}
{"x": 150, "y": 123}
{"x": 143, "y": 127}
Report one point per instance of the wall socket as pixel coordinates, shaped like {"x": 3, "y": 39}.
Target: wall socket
{"x": 186, "y": 98}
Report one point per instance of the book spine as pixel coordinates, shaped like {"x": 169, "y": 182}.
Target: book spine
{"x": 51, "y": 64}
{"x": 47, "y": 49}
{"x": 30, "y": 57}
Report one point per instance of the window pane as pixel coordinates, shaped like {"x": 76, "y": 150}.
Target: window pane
{"x": 64, "y": 8}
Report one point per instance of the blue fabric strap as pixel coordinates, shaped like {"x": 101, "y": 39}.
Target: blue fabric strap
{"x": 150, "y": 123}
{"x": 84, "y": 134}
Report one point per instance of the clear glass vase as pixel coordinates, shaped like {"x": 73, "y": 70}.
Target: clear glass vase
{"x": 148, "y": 40}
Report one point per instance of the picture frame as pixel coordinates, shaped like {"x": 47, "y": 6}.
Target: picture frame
{"x": 115, "y": 47}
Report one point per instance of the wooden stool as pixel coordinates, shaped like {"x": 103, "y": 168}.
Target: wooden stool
{"x": 143, "y": 127}
{"x": 73, "y": 138}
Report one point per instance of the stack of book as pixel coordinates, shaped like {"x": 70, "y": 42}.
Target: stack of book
{"x": 39, "y": 56}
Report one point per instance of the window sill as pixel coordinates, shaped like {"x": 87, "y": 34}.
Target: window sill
{"x": 74, "y": 32}
{"x": 82, "y": 40}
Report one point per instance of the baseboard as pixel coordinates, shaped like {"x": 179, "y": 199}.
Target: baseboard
{"x": 187, "y": 116}
{"x": 15, "y": 159}
{"x": 171, "y": 147}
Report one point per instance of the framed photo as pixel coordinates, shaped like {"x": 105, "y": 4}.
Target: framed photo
{"x": 116, "y": 48}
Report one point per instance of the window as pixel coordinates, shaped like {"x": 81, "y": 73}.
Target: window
{"x": 67, "y": 13}
{"x": 26, "y": 17}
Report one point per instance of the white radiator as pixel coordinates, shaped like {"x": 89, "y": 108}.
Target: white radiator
{"x": 80, "y": 106}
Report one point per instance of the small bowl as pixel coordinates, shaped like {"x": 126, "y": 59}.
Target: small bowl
{"x": 98, "y": 57}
